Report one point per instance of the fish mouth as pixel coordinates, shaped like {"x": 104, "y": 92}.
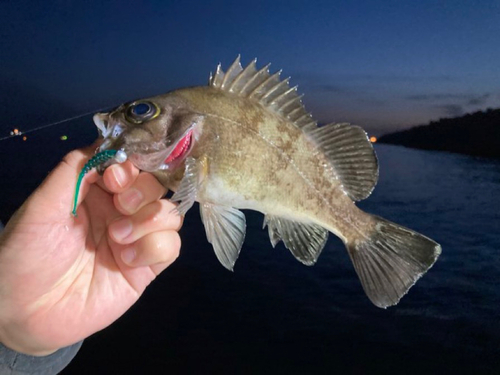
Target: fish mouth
{"x": 149, "y": 157}
{"x": 101, "y": 121}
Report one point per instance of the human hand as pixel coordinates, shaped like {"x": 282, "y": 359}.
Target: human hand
{"x": 64, "y": 278}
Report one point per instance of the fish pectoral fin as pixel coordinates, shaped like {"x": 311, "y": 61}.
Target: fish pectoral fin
{"x": 225, "y": 228}
{"x": 188, "y": 187}
{"x": 305, "y": 241}
{"x": 389, "y": 259}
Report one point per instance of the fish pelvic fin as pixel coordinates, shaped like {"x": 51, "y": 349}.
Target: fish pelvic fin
{"x": 390, "y": 260}
{"x": 305, "y": 241}
{"x": 225, "y": 228}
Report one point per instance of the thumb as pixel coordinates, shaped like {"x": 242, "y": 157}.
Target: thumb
{"x": 56, "y": 193}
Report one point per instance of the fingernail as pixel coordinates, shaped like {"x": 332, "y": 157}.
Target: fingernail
{"x": 128, "y": 255}
{"x": 121, "y": 229}
{"x": 130, "y": 199}
{"x": 119, "y": 175}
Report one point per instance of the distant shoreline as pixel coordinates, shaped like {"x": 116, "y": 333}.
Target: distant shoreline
{"x": 476, "y": 134}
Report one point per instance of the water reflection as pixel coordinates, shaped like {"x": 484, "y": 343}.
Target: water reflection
{"x": 275, "y": 315}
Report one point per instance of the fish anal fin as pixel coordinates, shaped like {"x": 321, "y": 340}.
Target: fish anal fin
{"x": 305, "y": 241}
{"x": 352, "y": 156}
{"x": 390, "y": 260}
{"x": 272, "y": 230}
{"x": 225, "y": 228}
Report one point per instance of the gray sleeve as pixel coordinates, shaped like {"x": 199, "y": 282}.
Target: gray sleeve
{"x": 14, "y": 363}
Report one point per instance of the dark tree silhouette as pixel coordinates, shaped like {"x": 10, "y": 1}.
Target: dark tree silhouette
{"x": 475, "y": 134}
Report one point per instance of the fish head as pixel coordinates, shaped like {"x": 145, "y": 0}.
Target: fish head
{"x": 157, "y": 134}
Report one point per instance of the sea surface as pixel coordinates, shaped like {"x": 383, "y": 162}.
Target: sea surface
{"x": 274, "y": 315}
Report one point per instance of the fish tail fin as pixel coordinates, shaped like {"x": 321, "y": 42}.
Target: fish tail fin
{"x": 389, "y": 259}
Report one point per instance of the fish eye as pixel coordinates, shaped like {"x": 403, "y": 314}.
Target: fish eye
{"x": 142, "y": 111}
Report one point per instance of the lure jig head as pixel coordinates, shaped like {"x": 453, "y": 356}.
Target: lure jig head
{"x": 100, "y": 158}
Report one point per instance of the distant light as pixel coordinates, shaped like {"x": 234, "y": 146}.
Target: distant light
{"x": 25, "y": 138}
{"x": 15, "y": 132}
{"x": 373, "y": 139}
{"x": 64, "y": 137}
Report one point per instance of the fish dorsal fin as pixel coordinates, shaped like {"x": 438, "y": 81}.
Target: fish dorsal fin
{"x": 346, "y": 146}
{"x": 305, "y": 241}
{"x": 272, "y": 92}
{"x": 225, "y": 228}
{"x": 352, "y": 156}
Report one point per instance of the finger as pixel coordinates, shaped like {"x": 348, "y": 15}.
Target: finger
{"x": 58, "y": 190}
{"x": 159, "y": 249}
{"x": 119, "y": 177}
{"x": 154, "y": 217}
{"x": 145, "y": 189}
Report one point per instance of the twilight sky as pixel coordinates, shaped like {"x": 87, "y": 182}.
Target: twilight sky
{"x": 383, "y": 64}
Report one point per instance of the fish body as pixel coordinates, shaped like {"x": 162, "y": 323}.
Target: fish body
{"x": 257, "y": 161}
{"x": 245, "y": 141}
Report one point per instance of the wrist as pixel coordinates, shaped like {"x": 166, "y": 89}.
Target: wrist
{"x": 22, "y": 345}
{"x": 13, "y": 362}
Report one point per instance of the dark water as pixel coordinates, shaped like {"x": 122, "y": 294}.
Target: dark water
{"x": 275, "y": 316}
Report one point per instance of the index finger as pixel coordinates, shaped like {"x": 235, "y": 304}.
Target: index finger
{"x": 119, "y": 177}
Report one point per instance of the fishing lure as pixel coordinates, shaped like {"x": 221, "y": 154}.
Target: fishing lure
{"x": 98, "y": 159}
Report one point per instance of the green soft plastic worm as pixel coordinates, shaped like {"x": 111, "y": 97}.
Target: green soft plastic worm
{"x": 96, "y": 160}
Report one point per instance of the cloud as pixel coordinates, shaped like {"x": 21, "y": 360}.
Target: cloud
{"x": 310, "y": 81}
{"x": 453, "y": 110}
{"x": 326, "y": 87}
{"x": 406, "y": 78}
{"x": 479, "y": 100}
{"x": 432, "y": 97}
{"x": 451, "y": 104}
{"x": 465, "y": 99}
{"x": 367, "y": 79}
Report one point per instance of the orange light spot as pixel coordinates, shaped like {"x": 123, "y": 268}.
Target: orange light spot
{"x": 25, "y": 138}
{"x": 373, "y": 139}
{"x": 16, "y": 131}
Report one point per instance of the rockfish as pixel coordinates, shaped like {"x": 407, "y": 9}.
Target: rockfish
{"x": 245, "y": 141}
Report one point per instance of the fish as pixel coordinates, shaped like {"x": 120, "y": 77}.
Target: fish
{"x": 246, "y": 142}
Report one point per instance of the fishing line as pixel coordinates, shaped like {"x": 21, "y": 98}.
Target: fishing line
{"x": 54, "y": 123}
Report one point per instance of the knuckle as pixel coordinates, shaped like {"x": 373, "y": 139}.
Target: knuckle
{"x": 147, "y": 178}
{"x": 153, "y": 215}
{"x": 172, "y": 217}
{"x": 72, "y": 158}
{"x": 168, "y": 205}
{"x": 170, "y": 247}
{"x": 176, "y": 245}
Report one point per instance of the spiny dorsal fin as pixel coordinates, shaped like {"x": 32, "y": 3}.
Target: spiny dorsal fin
{"x": 347, "y": 147}
{"x": 272, "y": 92}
